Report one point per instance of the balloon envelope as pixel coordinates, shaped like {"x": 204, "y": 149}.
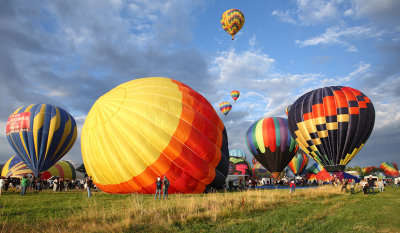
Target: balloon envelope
{"x": 332, "y": 124}
{"x": 235, "y": 95}
{"x": 259, "y": 171}
{"x": 225, "y": 107}
{"x": 271, "y": 143}
{"x": 232, "y": 21}
{"x": 15, "y": 167}
{"x": 390, "y": 169}
{"x": 152, "y": 127}
{"x": 299, "y": 162}
{"x": 41, "y": 134}
{"x": 239, "y": 166}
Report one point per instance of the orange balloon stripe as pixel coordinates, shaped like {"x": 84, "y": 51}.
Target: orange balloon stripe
{"x": 329, "y": 106}
{"x": 349, "y": 94}
{"x": 340, "y": 98}
{"x": 318, "y": 110}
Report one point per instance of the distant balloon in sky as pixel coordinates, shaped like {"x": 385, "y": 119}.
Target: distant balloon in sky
{"x": 232, "y": 21}
{"x": 390, "y": 169}
{"x": 41, "y": 134}
{"x": 237, "y": 153}
{"x": 315, "y": 168}
{"x": 235, "y": 95}
{"x": 332, "y": 124}
{"x": 271, "y": 143}
{"x": 299, "y": 162}
{"x": 225, "y": 107}
{"x": 154, "y": 127}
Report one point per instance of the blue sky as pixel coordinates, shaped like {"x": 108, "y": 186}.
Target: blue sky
{"x": 69, "y": 53}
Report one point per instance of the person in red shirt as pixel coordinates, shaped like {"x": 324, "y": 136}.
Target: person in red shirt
{"x": 292, "y": 187}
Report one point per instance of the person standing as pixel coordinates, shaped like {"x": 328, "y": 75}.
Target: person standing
{"x": 352, "y": 185}
{"x": 345, "y": 185}
{"x": 292, "y": 187}
{"x": 2, "y": 182}
{"x": 371, "y": 184}
{"x": 24, "y": 184}
{"x": 89, "y": 184}
{"x": 380, "y": 186}
{"x": 158, "y": 188}
{"x": 165, "y": 187}
{"x": 55, "y": 184}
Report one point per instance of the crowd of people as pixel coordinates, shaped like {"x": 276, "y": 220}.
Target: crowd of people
{"x": 57, "y": 184}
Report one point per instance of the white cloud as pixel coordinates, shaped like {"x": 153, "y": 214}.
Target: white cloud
{"x": 316, "y": 11}
{"x": 285, "y": 16}
{"x": 384, "y": 12}
{"x": 340, "y": 35}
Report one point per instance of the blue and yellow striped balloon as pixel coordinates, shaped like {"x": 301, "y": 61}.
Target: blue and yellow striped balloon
{"x": 41, "y": 134}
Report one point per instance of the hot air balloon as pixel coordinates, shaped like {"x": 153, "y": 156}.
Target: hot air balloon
{"x": 367, "y": 170}
{"x": 315, "y": 168}
{"x": 232, "y": 21}
{"x": 225, "y": 107}
{"x": 237, "y": 153}
{"x": 41, "y": 134}
{"x": 299, "y": 162}
{"x": 235, "y": 95}
{"x": 239, "y": 166}
{"x": 332, "y": 124}
{"x": 259, "y": 171}
{"x": 151, "y": 127}
{"x": 15, "y": 167}
{"x": 270, "y": 142}
{"x": 63, "y": 169}
{"x": 390, "y": 169}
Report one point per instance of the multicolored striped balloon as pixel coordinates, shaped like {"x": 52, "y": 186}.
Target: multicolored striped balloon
{"x": 239, "y": 166}
{"x": 332, "y": 124}
{"x": 152, "y": 127}
{"x": 41, "y": 134}
{"x": 225, "y": 107}
{"x": 299, "y": 162}
{"x": 271, "y": 143}
{"x": 237, "y": 153}
{"x": 315, "y": 168}
{"x": 390, "y": 169}
{"x": 235, "y": 95}
{"x": 15, "y": 167}
{"x": 232, "y": 21}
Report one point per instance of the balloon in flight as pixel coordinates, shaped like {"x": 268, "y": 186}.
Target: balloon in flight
{"x": 225, "y": 107}
{"x": 235, "y": 95}
{"x": 232, "y": 21}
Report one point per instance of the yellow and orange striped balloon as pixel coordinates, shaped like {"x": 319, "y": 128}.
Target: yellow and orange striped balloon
{"x": 151, "y": 127}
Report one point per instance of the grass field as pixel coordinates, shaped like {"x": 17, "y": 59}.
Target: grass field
{"x": 325, "y": 209}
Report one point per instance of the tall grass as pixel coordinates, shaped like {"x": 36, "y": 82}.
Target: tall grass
{"x": 141, "y": 212}
{"x": 133, "y": 213}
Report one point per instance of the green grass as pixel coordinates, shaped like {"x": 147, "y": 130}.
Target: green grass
{"x": 322, "y": 210}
